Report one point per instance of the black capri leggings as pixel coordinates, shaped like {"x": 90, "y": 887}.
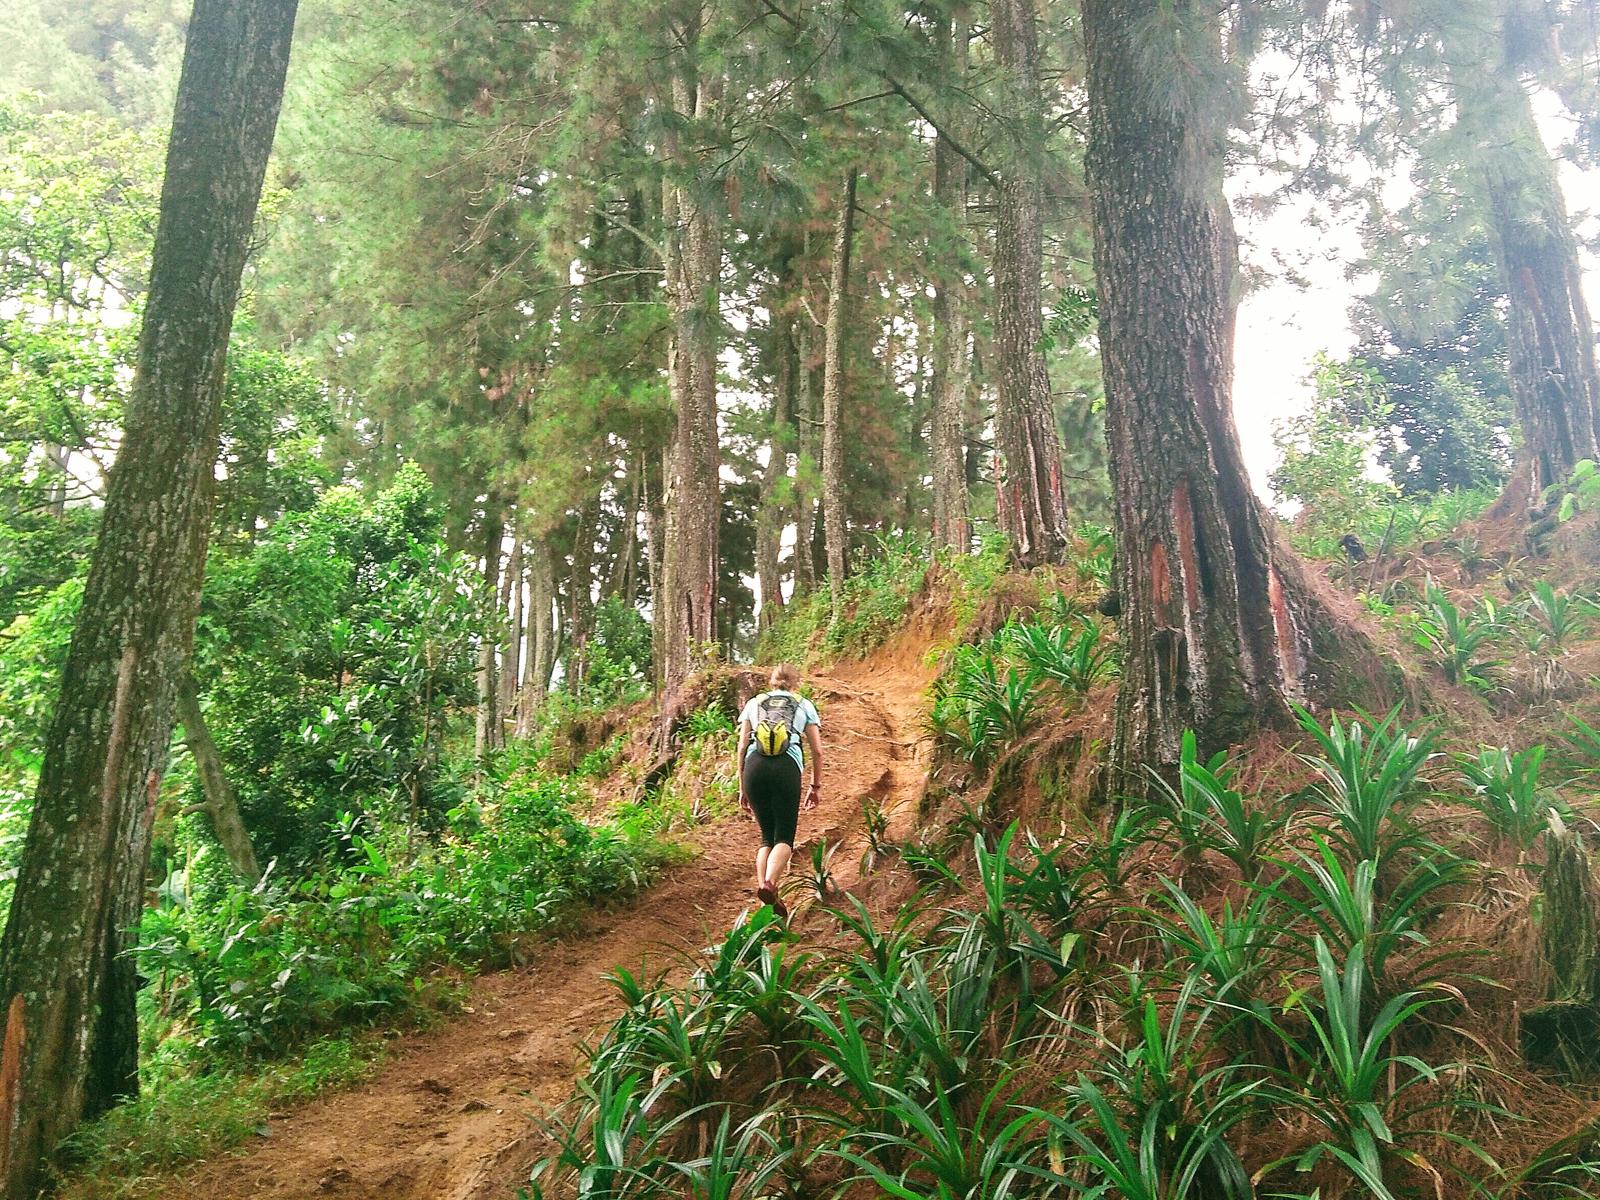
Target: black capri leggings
{"x": 773, "y": 784}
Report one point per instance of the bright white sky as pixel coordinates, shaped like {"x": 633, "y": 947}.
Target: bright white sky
{"x": 1282, "y": 327}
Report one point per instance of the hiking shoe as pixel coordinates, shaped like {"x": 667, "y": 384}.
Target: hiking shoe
{"x": 779, "y": 907}
{"x": 768, "y": 895}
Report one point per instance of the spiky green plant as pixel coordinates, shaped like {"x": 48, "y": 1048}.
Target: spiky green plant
{"x": 942, "y": 1148}
{"x": 1347, "y": 1076}
{"x": 1206, "y": 812}
{"x": 1457, "y": 639}
{"x": 1558, "y": 616}
{"x": 1370, "y": 783}
{"x": 1507, "y": 791}
{"x": 1076, "y": 656}
{"x": 1347, "y": 909}
{"x": 1152, "y": 1122}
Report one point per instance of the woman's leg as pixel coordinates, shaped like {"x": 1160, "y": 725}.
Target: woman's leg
{"x": 757, "y": 788}
{"x": 778, "y": 863}
{"x": 785, "y": 816}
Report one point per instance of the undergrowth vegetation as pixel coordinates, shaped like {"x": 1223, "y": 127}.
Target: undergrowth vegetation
{"x": 1288, "y": 992}
{"x": 990, "y": 692}
{"x": 876, "y": 598}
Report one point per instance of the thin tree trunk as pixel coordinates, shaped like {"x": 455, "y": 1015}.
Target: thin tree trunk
{"x": 654, "y": 530}
{"x": 69, "y": 985}
{"x": 833, "y": 510}
{"x": 1219, "y": 632}
{"x": 1549, "y": 333}
{"x": 1030, "y": 504}
{"x": 221, "y": 803}
{"x": 621, "y": 580}
{"x": 685, "y": 608}
{"x": 772, "y": 516}
{"x": 511, "y": 658}
{"x": 488, "y": 734}
{"x": 806, "y": 466}
{"x": 952, "y": 525}
{"x": 540, "y": 637}
{"x": 580, "y": 593}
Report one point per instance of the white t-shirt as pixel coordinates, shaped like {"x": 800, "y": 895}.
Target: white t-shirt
{"x": 805, "y": 714}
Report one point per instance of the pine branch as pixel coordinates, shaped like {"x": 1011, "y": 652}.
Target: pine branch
{"x": 899, "y": 89}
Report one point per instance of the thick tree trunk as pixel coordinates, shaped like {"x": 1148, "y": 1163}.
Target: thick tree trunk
{"x": 773, "y": 515}
{"x": 1030, "y": 504}
{"x": 1218, "y": 631}
{"x": 488, "y": 734}
{"x": 1549, "y": 333}
{"x": 221, "y": 803}
{"x": 833, "y": 510}
{"x": 952, "y": 526}
{"x": 685, "y": 608}
{"x": 806, "y": 466}
{"x": 71, "y": 1045}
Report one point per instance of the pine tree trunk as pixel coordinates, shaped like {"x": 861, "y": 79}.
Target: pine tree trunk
{"x": 772, "y": 516}
{"x": 221, "y": 803}
{"x": 71, "y": 1044}
{"x": 580, "y": 593}
{"x": 1549, "y": 333}
{"x": 655, "y": 530}
{"x": 1030, "y": 504}
{"x": 685, "y": 608}
{"x": 805, "y": 501}
{"x": 622, "y": 580}
{"x": 952, "y": 526}
{"x": 511, "y": 656}
{"x": 1219, "y": 631}
{"x": 488, "y": 734}
{"x": 540, "y": 637}
{"x": 833, "y": 511}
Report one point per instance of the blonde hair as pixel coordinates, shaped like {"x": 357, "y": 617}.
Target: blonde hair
{"x": 784, "y": 676}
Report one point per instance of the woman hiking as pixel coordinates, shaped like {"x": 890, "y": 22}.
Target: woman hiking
{"x": 771, "y": 763}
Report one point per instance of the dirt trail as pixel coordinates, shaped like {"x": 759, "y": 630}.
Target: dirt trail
{"x": 452, "y": 1115}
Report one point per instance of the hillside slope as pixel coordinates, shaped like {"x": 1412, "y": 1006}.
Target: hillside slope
{"x": 453, "y": 1115}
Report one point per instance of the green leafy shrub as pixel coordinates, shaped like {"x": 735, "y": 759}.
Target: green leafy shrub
{"x": 875, "y": 599}
{"x": 264, "y": 967}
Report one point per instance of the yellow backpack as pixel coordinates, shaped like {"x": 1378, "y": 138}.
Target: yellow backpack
{"x": 773, "y": 730}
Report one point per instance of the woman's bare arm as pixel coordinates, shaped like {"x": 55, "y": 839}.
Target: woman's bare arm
{"x": 814, "y": 743}
{"x": 738, "y": 766}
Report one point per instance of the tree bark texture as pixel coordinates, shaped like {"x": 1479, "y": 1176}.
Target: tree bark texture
{"x": 580, "y": 590}
{"x": 221, "y": 802}
{"x": 773, "y": 514}
{"x": 952, "y": 526}
{"x": 835, "y": 528}
{"x": 1030, "y": 503}
{"x": 488, "y": 734}
{"x": 1549, "y": 333}
{"x": 685, "y": 607}
{"x": 1216, "y": 627}
{"x": 805, "y": 500}
{"x": 69, "y": 987}
{"x": 511, "y": 652}
{"x": 540, "y": 636}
